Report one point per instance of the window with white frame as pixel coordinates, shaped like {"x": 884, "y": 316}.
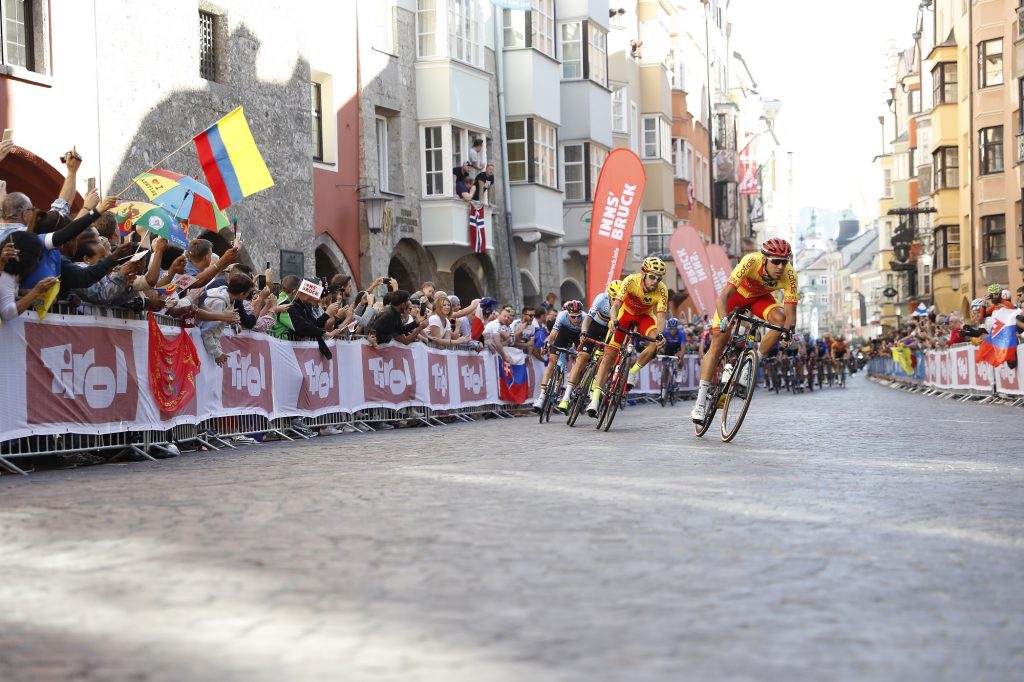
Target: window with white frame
{"x": 433, "y": 161}
{"x": 649, "y": 126}
{"x": 574, "y": 172}
{"x": 531, "y": 152}
{"x": 513, "y": 23}
{"x": 384, "y": 32}
{"x": 581, "y": 39}
{"x": 317, "y": 109}
{"x": 652, "y": 236}
{"x": 542, "y": 25}
{"x": 620, "y": 124}
{"x": 545, "y": 172}
{"x": 464, "y": 31}
{"x": 516, "y": 154}
{"x": 428, "y": 24}
{"x": 597, "y": 54}
{"x": 531, "y": 28}
{"x": 634, "y": 128}
{"x": 682, "y": 161}
{"x": 665, "y": 140}
{"x": 598, "y": 155}
{"x": 571, "y": 34}
{"x": 383, "y": 165}
{"x": 459, "y": 150}
{"x": 698, "y": 178}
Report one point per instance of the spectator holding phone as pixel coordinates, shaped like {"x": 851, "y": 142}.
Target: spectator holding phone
{"x": 390, "y": 325}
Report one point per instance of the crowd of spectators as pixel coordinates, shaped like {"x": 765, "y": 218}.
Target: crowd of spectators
{"x": 928, "y": 330}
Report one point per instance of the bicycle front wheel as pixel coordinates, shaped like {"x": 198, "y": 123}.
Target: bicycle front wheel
{"x": 579, "y": 396}
{"x": 551, "y": 394}
{"x": 739, "y": 393}
{"x": 614, "y": 397}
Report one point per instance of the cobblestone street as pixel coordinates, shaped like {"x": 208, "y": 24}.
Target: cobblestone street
{"x": 857, "y": 534}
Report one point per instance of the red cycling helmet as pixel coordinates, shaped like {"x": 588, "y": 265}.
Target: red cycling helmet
{"x": 573, "y": 307}
{"x": 777, "y": 248}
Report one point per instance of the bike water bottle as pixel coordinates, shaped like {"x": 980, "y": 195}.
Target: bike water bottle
{"x": 726, "y": 372}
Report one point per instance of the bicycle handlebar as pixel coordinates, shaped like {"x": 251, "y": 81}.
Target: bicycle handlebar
{"x": 757, "y": 321}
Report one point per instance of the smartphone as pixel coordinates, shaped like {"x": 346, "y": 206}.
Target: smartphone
{"x": 261, "y": 282}
{"x": 90, "y": 185}
{"x": 423, "y": 308}
{"x": 8, "y": 134}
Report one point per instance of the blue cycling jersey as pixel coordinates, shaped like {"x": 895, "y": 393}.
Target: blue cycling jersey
{"x": 563, "y": 321}
{"x": 674, "y": 340}
{"x": 601, "y": 309}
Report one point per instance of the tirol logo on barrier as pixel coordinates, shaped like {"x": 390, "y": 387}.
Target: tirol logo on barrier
{"x": 471, "y": 378}
{"x": 961, "y": 363}
{"x": 320, "y": 387}
{"x": 1008, "y": 379}
{"x": 944, "y": 370}
{"x": 983, "y": 376}
{"x": 684, "y": 373}
{"x": 89, "y": 373}
{"x": 439, "y": 384}
{"x": 654, "y": 374}
{"x": 388, "y": 374}
{"x": 247, "y": 380}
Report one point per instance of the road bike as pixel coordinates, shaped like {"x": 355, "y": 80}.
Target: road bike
{"x": 735, "y": 376}
{"x": 580, "y": 395}
{"x": 668, "y": 379}
{"x": 553, "y": 390}
{"x": 842, "y": 372}
{"x": 617, "y": 387}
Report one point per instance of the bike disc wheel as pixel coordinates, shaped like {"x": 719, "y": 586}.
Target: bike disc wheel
{"x": 735, "y": 408}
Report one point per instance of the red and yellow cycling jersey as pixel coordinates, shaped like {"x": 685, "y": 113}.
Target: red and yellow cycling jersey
{"x": 636, "y": 301}
{"x": 751, "y": 280}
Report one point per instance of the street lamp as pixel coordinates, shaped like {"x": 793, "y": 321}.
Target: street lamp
{"x": 374, "y": 206}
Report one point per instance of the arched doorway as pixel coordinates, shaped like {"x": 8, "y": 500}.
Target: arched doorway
{"x": 27, "y": 173}
{"x": 531, "y": 292}
{"x": 325, "y": 266}
{"x": 571, "y": 290}
{"x": 398, "y": 270}
{"x": 410, "y": 264}
{"x": 466, "y": 286}
{"x": 473, "y": 276}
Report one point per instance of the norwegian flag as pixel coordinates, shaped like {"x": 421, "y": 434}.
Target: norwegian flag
{"x": 477, "y": 233}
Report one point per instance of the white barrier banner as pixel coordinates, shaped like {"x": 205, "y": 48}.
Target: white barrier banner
{"x": 91, "y": 375}
{"x": 956, "y": 369}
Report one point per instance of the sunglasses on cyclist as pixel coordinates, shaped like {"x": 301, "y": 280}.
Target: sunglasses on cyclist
{"x": 778, "y": 261}
{"x": 652, "y": 276}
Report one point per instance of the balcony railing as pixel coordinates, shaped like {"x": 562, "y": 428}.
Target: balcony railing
{"x": 1020, "y": 22}
{"x": 1020, "y": 147}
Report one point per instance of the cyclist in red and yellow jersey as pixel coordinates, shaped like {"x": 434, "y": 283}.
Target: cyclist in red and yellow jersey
{"x": 751, "y": 285}
{"x": 643, "y": 302}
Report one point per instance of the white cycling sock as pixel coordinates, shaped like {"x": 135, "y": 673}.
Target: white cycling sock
{"x": 702, "y": 391}
{"x": 568, "y": 390}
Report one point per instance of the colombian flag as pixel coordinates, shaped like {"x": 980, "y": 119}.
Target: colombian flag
{"x": 1001, "y": 343}
{"x": 233, "y": 166}
{"x": 902, "y": 355}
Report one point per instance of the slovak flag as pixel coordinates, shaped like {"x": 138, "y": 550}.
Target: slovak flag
{"x": 1001, "y": 343}
{"x": 513, "y": 382}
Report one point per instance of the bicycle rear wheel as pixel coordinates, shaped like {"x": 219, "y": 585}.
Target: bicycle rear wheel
{"x": 714, "y": 393}
{"x": 733, "y": 412}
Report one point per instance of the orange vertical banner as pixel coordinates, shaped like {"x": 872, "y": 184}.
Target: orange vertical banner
{"x": 620, "y": 188}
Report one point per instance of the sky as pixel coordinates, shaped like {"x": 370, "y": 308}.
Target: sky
{"x": 824, "y": 59}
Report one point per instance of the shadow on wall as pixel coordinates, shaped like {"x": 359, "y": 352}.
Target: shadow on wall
{"x": 280, "y": 217}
